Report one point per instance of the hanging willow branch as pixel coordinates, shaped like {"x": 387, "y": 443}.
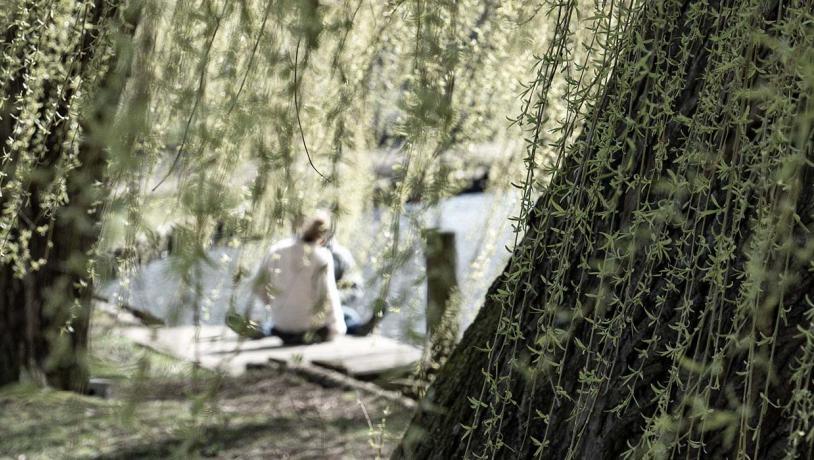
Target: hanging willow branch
{"x": 658, "y": 303}
{"x": 297, "y": 111}
{"x": 198, "y": 95}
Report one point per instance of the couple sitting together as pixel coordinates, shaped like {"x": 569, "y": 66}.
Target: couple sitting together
{"x": 298, "y": 281}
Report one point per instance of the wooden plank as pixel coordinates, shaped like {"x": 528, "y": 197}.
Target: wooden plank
{"x": 217, "y": 347}
{"x": 241, "y": 346}
{"x": 373, "y": 364}
{"x": 339, "y": 348}
{"x": 329, "y": 378}
{"x": 184, "y": 342}
{"x": 235, "y": 364}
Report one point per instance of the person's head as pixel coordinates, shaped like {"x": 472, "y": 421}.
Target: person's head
{"x": 316, "y": 228}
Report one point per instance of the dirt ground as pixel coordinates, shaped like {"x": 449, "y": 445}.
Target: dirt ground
{"x": 161, "y": 408}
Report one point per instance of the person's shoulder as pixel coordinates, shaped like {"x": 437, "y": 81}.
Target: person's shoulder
{"x": 280, "y": 248}
{"x": 323, "y": 255}
{"x": 282, "y": 244}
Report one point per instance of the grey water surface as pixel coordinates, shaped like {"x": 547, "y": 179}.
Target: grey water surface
{"x": 483, "y": 239}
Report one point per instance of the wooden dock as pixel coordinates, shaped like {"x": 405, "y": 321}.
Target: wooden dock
{"x": 219, "y": 348}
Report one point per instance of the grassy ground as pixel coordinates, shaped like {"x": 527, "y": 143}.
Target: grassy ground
{"x": 165, "y": 408}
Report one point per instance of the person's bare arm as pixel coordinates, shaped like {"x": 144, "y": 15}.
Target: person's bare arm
{"x": 260, "y": 281}
{"x": 332, "y": 303}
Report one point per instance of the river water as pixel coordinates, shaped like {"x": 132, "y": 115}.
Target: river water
{"x": 483, "y": 239}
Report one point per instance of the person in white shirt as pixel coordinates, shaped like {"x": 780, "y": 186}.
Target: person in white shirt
{"x": 296, "y": 281}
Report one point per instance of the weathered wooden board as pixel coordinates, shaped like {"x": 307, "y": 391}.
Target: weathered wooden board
{"x": 370, "y": 365}
{"x": 218, "y": 347}
{"x": 361, "y": 357}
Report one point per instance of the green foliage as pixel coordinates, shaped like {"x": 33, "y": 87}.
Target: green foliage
{"x": 678, "y": 207}
{"x": 674, "y": 225}
{"x": 243, "y": 115}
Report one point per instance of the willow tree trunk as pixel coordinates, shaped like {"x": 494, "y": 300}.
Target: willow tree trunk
{"x": 660, "y": 302}
{"x": 52, "y": 218}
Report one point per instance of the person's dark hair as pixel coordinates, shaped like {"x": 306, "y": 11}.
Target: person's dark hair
{"x": 315, "y": 228}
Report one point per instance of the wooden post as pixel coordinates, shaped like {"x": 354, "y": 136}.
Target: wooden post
{"x": 442, "y": 287}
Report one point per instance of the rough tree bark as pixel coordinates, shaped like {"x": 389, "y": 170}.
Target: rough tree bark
{"x": 449, "y": 425}
{"x": 45, "y": 312}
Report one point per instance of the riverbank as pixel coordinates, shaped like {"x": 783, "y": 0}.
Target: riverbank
{"x": 162, "y": 408}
